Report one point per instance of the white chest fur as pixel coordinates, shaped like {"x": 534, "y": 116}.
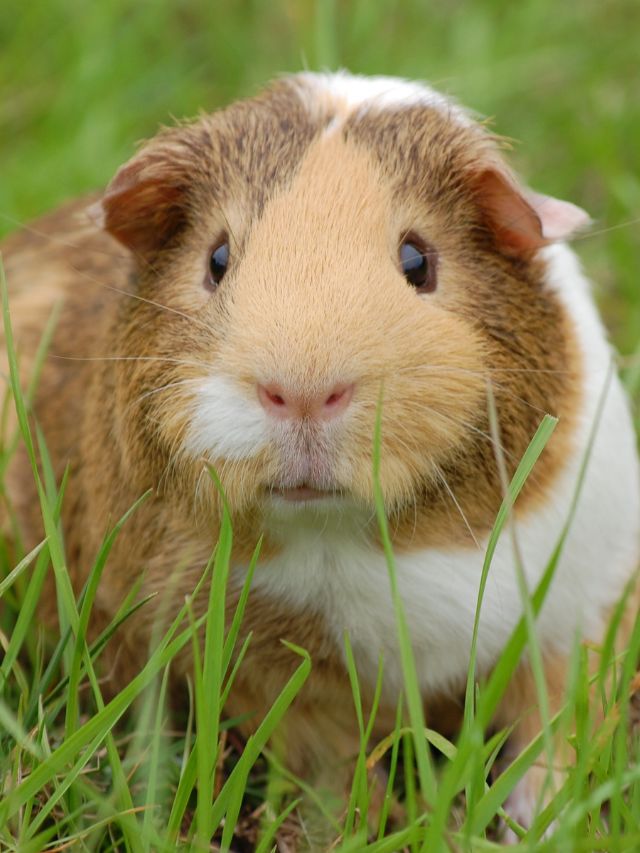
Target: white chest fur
{"x": 346, "y": 581}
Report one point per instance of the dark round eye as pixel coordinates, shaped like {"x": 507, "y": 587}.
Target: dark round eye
{"x": 418, "y": 262}
{"x": 218, "y": 263}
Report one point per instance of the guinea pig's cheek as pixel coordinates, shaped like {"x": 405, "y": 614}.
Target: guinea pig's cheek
{"x": 225, "y": 422}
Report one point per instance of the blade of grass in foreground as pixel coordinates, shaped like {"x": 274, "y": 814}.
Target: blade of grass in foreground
{"x": 24, "y": 622}
{"x": 68, "y": 614}
{"x": 531, "y": 456}
{"x": 359, "y": 799}
{"x": 264, "y": 845}
{"x": 428, "y": 786}
{"x": 81, "y": 651}
{"x": 36, "y": 371}
{"x": 210, "y": 695}
{"x": 15, "y": 573}
{"x": 230, "y": 798}
{"x": 474, "y": 727}
{"x": 188, "y": 776}
{"x": 395, "y": 749}
{"x": 232, "y": 634}
{"x": 98, "y": 727}
{"x": 208, "y": 684}
{"x": 502, "y": 672}
{"x": 476, "y": 780}
{"x": 153, "y": 766}
{"x": 50, "y": 499}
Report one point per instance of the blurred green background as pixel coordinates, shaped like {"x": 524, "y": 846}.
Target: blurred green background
{"x": 81, "y": 82}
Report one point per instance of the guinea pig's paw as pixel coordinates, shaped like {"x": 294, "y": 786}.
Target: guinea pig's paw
{"x": 529, "y": 797}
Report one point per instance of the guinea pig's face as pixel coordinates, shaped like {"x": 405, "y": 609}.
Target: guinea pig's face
{"x": 310, "y": 253}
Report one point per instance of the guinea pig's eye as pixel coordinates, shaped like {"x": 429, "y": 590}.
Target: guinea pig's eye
{"x": 418, "y": 262}
{"x": 218, "y": 263}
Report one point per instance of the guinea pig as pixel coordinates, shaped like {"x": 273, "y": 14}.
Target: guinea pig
{"x": 251, "y": 292}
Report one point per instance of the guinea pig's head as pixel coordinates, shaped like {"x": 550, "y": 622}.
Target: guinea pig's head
{"x": 304, "y": 255}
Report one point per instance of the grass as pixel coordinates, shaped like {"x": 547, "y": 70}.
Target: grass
{"x": 78, "y": 84}
{"x": 110, "y": 776}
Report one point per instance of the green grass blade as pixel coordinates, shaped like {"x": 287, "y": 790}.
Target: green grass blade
{"x": 100, "y": 724}
{"x": 234, "y": 629}
{"x": 393, "y": 767}
{"x": 358, "y": 799}
{"x": 15, "y": 573}
{"x": 34, "y": 379}
{"x": 80, "y": 652}
{"x": 236, "y": 666}
{"x": 524, "y": 469}
{"x": 473, "y": 728}
{"x": 413, "y": 694}
{"x": 208, "y": 686}
{"x": 10, "y": 724}
{"x": 153, "y": 780}
{"x": 24, "y": 622}
{"x": 230, "y": 798}
{"x": 267, "y": 840}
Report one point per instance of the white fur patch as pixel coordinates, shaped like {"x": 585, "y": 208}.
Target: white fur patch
{"x": 226, "y": 423}
{"x": 339, "y": 575}
{"x": 358, "y": 92}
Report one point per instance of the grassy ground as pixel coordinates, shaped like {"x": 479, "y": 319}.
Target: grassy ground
{"x": 79, "y": 83}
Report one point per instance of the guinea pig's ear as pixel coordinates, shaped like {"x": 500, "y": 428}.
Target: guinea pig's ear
{"x": 146, "y": 202}
{"x": 521, "y": 220}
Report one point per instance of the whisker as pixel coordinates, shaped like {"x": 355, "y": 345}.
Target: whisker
{"x": 490, "y": 370}
{"x": 197, "y": 497}
{"x": 507, "y": 392}
{"x": 417, "y": 477}
{"x": 443, "y": 479}
{"x": 87, "y": 226}
{"x": 600, "y": 231}
{"x": 137, "y": 296}
{"x": 498, "y": 385}
{"x": 486, "y": 436}
{"x": 162, "y": 358}
{"x": 174, "y": 453}
{"x": 153, "y": 391}
{"x": 452, "y": 419}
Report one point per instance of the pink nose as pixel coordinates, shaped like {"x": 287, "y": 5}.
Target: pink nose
{"x": 284, "y": 404}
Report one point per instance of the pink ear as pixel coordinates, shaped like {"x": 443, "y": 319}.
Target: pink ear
{"x": 560, "y": 219}
{"x": 522, "y": 220}
{"x": 146, "y": 202}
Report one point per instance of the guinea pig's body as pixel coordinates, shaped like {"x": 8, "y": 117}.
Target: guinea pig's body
{"x": 275, "y": 267}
